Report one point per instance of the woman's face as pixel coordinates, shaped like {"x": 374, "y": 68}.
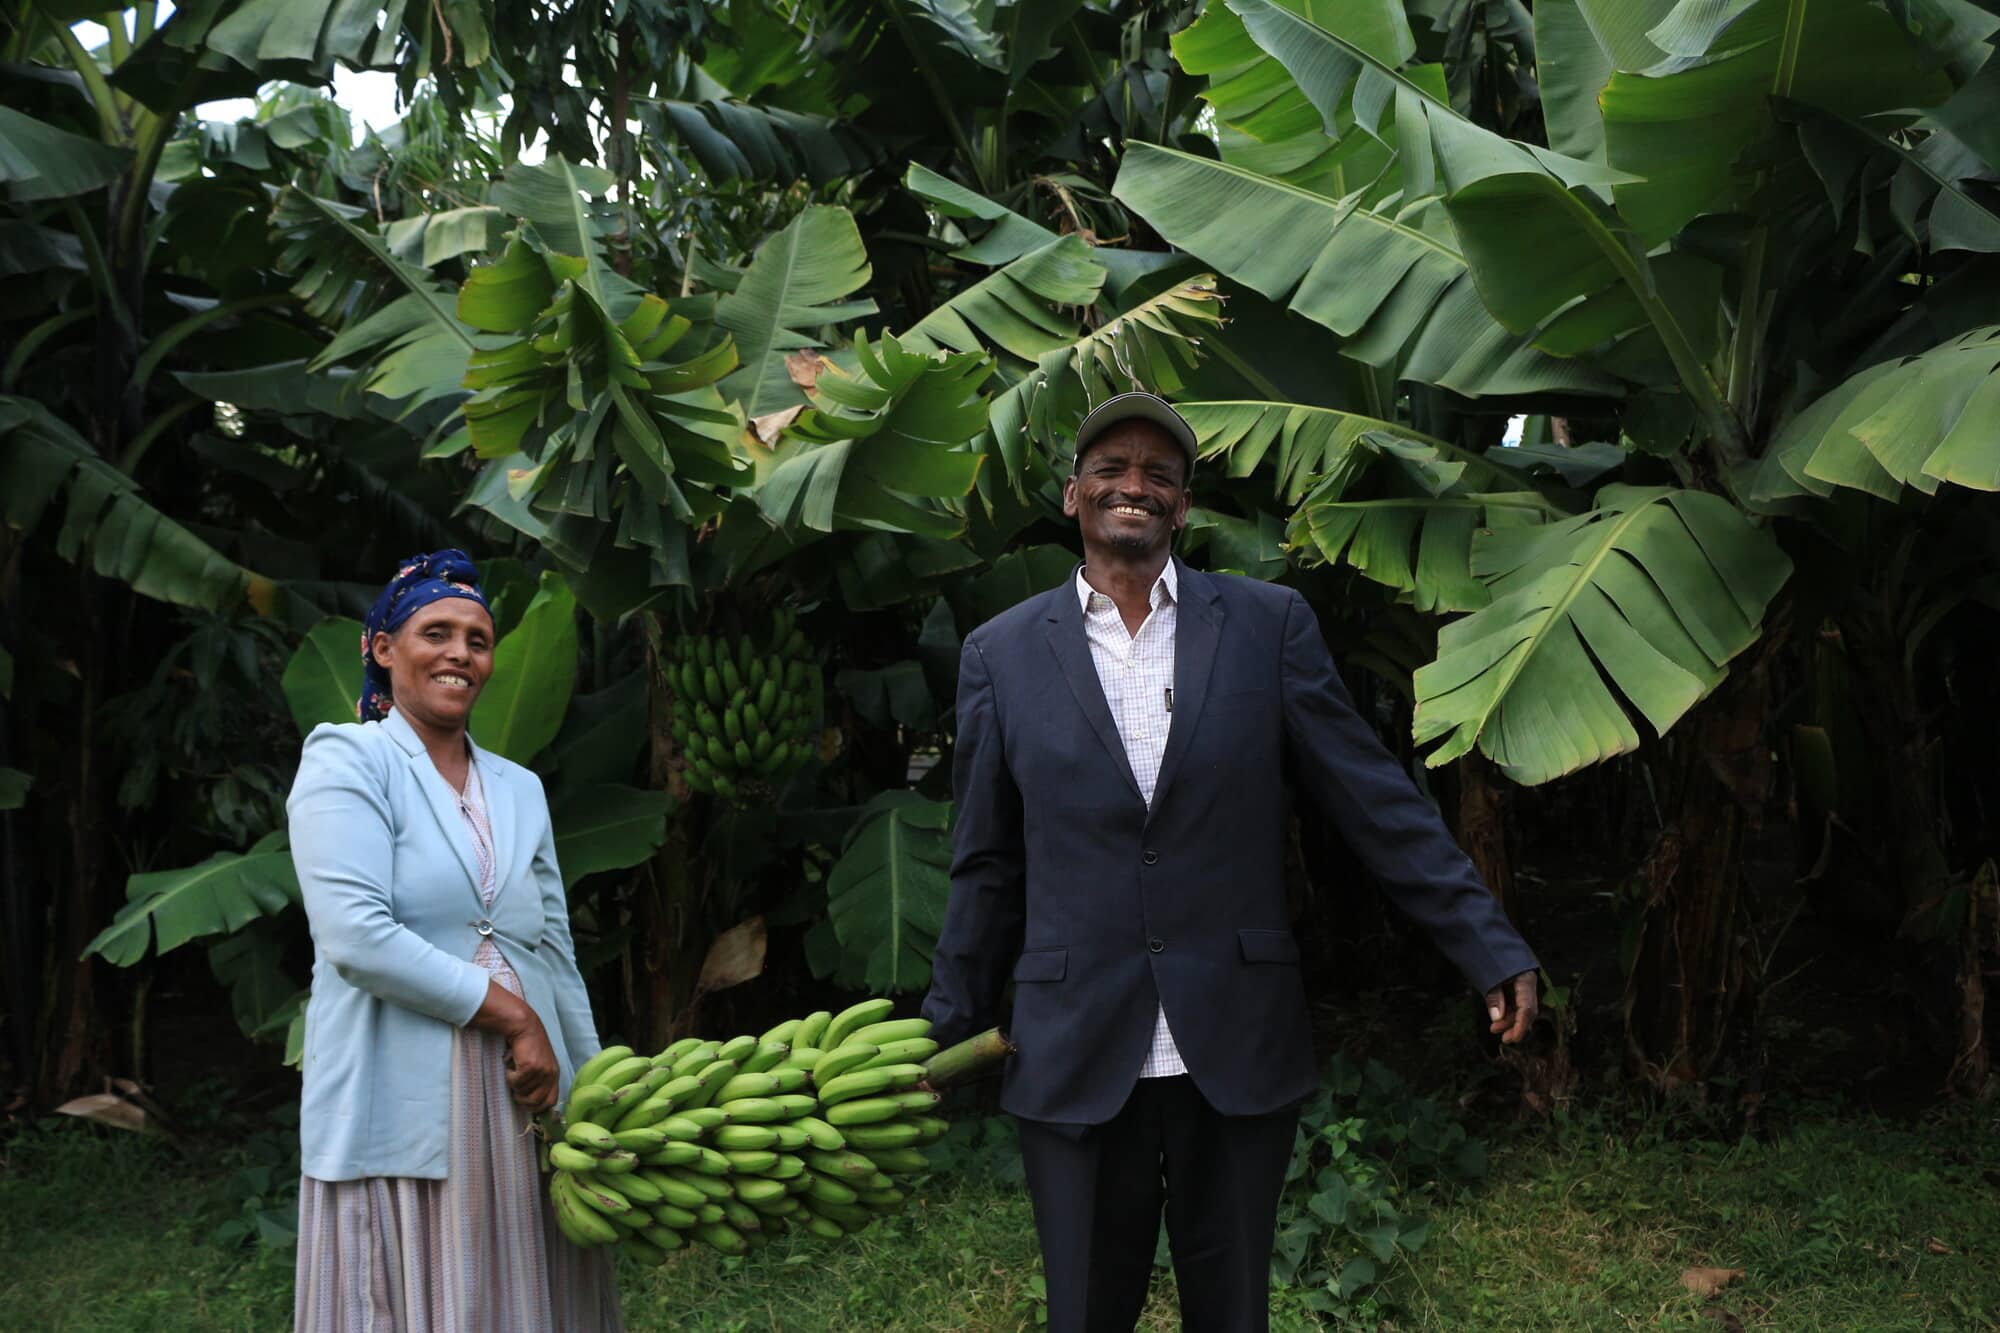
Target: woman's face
{"x": 439, "y": 661}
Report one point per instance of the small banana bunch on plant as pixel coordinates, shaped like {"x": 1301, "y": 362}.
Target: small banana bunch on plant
{"x": 730, "y": 1143}
{"x": 744, "y": 715}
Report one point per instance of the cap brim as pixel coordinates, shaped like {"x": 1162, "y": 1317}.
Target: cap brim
{"x": 1137, "y": 406}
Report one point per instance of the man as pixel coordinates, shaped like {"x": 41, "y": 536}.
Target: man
{"x": 1127, "y": 746}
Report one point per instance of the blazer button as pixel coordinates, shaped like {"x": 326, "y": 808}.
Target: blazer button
{"x": 1151, "y": 857}
{"x": 1156, "y": 944}
{"x": 483, "y": 926}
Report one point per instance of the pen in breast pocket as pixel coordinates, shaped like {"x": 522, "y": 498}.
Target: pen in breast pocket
{"x": 1170, "y": 698}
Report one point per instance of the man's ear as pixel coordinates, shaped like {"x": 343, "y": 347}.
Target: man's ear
{"x": 1069, "y": 496}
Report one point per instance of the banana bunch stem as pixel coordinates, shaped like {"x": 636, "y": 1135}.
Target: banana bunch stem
{"x": 972, "y": 1059}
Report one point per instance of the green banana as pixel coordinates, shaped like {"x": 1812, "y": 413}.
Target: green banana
{"x": 820, "y": 1134}
{"x": 786, "y": 1167}
{"x": 909, "y": 1051}
{"x": 863, "y": 1111}
{"x": 673, "y": 1215}
{"x": 617, "y": 1163}
{"x": 744, "y": 1136}
{"x": 811, "y": 1027}
{"x": 747, "y": 1111}
{"x": 723, "y": 1237}
{"x": 836, "y": 1063}
{"x": 696, "y": 1058}
{"x": 754, "y": 1162}
{"x": 742, "y": 1216}
{"x": 899, "y": 1161}
{"x": 583, "y": 1225}
{"x": 893, "y": 1134}
{"x": 675, "y": 1191}
{"x": 587, "y": 1072}
{"x": 826, "y": 1189}
{"x": 591, "y": 1138}
{"x": 848, "y": 1166}
{"x": 853, "y": 1018}
{"x": 745, "y": 1085}
{"x": 598, "y": 1196}
{"x": 864, "y": 1083}
{"x": 738, "y": 1049}
{"x": 899, "y": 1029}
{"x": 782, "y": 1033}
{"x": 673, "y": 1153}
{"x": 824, "y": 1227}
{"x": 639, "y": 1191}
{"x": 585, "y": 1098}
{"x": 641, "y": 1141}
{"x": 566, "y": 1157}
{"x": 803, "y": 1057}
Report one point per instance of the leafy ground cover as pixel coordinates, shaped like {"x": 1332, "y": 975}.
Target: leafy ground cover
{"x": 1839, "y": 1220}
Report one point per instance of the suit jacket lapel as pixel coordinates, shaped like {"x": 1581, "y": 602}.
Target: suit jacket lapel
{"x": 439, "y": 796}
{"x": 1072, "y": 649}
{"x": 1197, "y": 630}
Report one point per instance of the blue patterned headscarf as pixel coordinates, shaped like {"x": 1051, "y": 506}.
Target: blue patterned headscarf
{"x": 423, "y": 579}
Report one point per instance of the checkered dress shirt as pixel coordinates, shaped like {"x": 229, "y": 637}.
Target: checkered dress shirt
{"x": 1136, "y": 671}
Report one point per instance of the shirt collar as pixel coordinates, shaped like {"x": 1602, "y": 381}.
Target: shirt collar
{"x": 1169, "y": 580}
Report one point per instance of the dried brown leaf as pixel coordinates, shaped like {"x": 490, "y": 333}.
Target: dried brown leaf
{"x": 771, "y": 424}
{"x": 736, "y": 956}
{"x": 803, "y": 368}
{"x": 1936, "y": 1246}
{"x": 1705, "y": 1282}
{"x": 106, "y": 1108}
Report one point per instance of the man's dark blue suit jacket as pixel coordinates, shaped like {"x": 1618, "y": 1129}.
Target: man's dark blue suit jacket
{"x": 1100, "y": 910}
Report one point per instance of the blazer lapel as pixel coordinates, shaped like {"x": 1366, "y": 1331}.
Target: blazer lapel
{"x": 438, "y": 795}
{"x": 1197, "y": 630}
{"x": 1072, "y": 649}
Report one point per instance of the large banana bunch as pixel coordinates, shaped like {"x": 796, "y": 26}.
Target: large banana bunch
{"x": 810, "y": 1126}
{"x": 744, "y": 714}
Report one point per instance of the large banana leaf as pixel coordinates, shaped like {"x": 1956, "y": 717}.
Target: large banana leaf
{"x": 416, "y": 346}
{"x": 1150, "y": 344}
{"x": 1315, "y": 444}
{"x": 1682, "y": 129}
{"x": 322, "y": 681}
{"x": 798, "y": 284}
{"x": 875, "y": 446}
{"x": 108, "y": 522}
{"x": 1545, "y": 253}
{"x": 1638, "y": 603}
{"x": 1267, "y": 124}
{"x": 886, "y": 894}
{"x": 1400, "y": 292}
{"x": 1010, "y": 308}
{"x": 1416, "y": 537}
{"x": 39, "y": 161}
{"x": 607, "y": 827}
{"x": 262, "y": 994}
{"x": 1578, "y": 45}
{"x": 165, "y": 909}
{"x": 733, "y": 140}
{"x": 534, "y": 670}
{"x": 1915, "y": 422}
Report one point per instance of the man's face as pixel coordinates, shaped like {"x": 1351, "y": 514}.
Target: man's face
{"x": 1129, "y": 492}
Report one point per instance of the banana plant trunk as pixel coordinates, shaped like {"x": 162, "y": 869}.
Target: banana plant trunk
{"x": 663, "y": 961}
{"x": 1692, "y": 977}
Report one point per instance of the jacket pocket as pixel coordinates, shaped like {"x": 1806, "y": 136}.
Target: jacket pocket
{"x": 1042, "y": 964}
{"x": 1268, "y": 946}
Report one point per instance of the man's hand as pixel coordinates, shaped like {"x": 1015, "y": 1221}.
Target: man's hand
{"x": 1512, "y": 1005}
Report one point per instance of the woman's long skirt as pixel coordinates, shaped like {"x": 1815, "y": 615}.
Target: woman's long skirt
{"x": 476, "y": 1252}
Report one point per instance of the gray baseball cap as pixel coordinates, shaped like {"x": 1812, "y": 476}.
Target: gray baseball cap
{"x": 1142, "y": 406}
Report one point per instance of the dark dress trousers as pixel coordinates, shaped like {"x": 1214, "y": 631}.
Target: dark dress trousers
{"x": 1103, "y": 911}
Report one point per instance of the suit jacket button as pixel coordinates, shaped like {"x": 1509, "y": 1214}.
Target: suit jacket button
{"x": 1156, "y": 944}
{"x": 1150, "y": 857}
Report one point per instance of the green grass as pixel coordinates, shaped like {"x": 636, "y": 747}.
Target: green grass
{"x": 1579, "y": 1228}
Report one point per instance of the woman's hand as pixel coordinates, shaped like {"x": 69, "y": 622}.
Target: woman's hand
{"x": 533, "y": 1076}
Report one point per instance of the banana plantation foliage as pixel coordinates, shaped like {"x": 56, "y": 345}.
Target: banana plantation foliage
{"x": 1619, "y": 379}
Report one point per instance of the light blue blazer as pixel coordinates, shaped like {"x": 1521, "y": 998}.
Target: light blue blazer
{"x": 391, "y": 891}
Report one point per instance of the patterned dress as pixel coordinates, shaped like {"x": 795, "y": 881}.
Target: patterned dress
{"x": 476, "y": 1252}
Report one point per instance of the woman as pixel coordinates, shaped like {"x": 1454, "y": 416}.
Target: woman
{"x": 446, "y": 1006}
